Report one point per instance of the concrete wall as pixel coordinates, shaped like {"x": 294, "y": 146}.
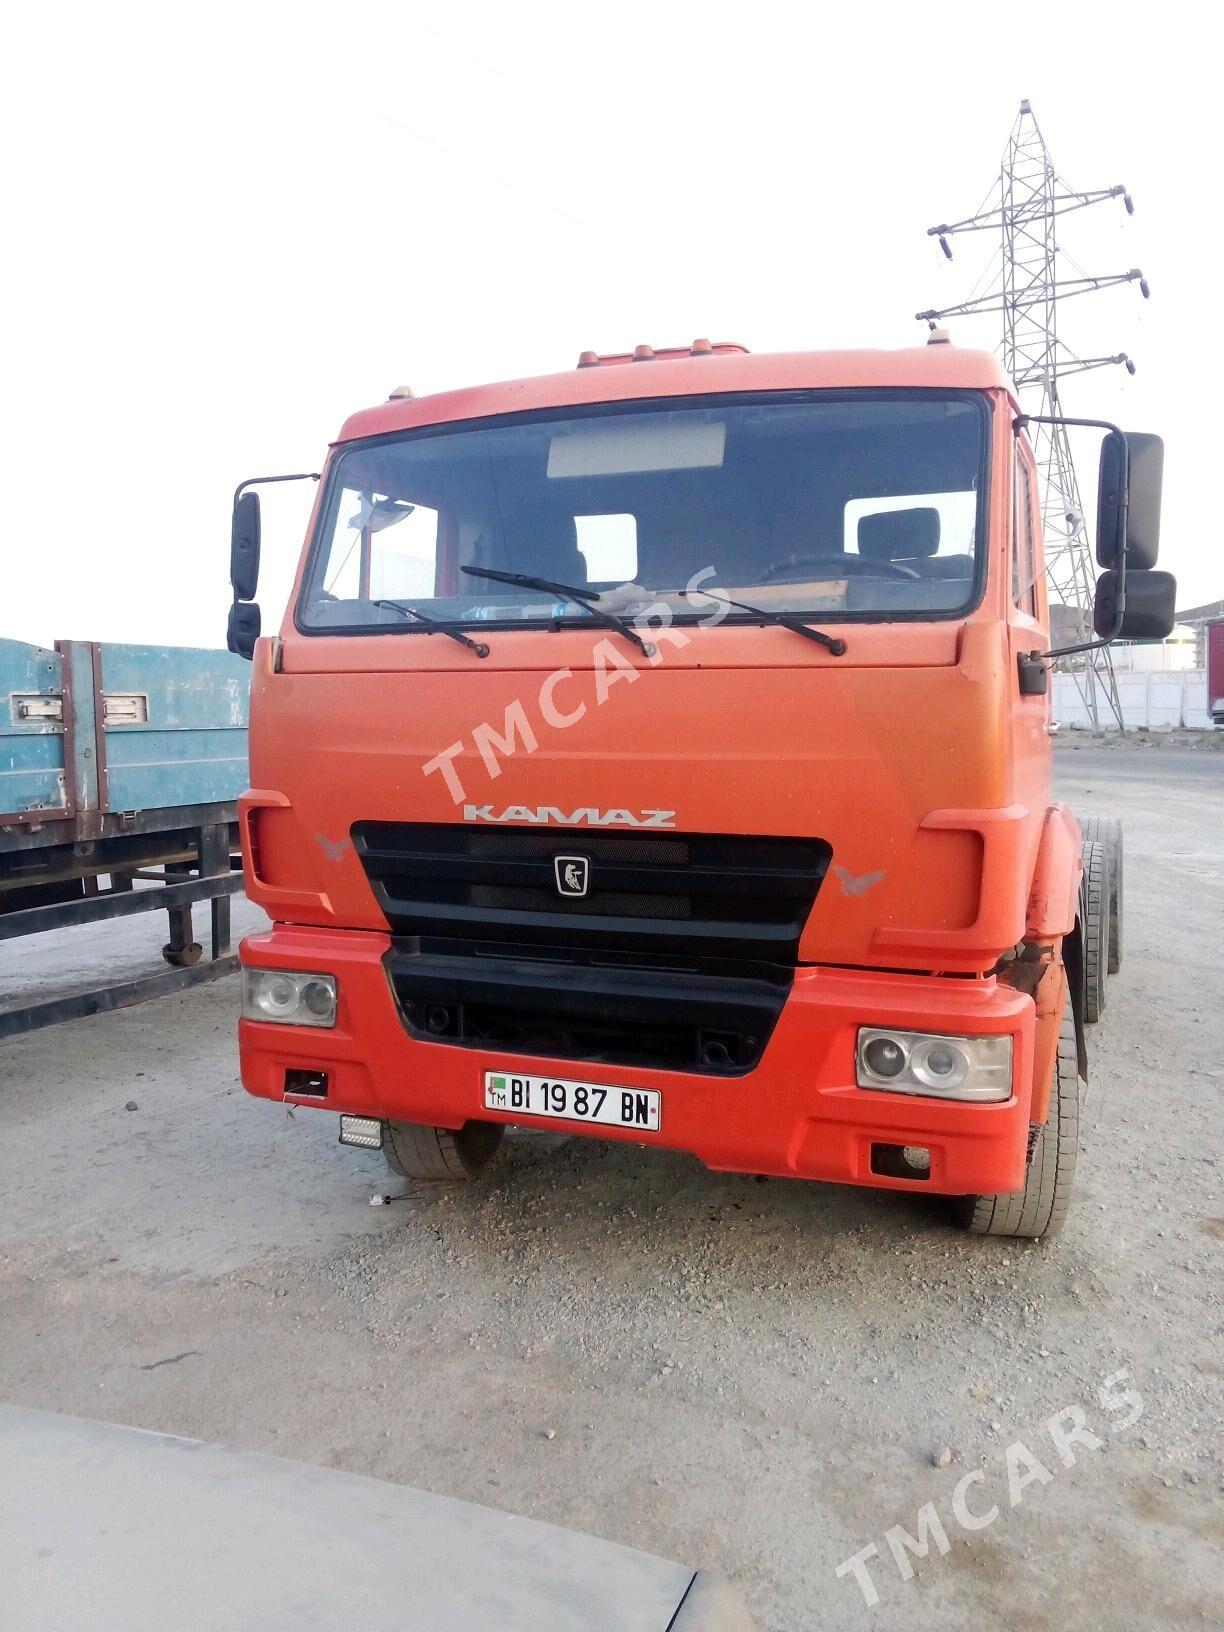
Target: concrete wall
{"x": 1178, "y": 652}
{"x": 1159, "y": 701}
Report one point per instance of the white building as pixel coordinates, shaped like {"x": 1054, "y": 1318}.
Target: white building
{"x": 1162, "y": 684}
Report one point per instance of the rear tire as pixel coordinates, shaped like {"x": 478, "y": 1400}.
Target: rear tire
{"x": 441, "y": 1155}
{"x": 1040, "y": 1208}
{"x": 1107, "y": 830}
{"x": 1094, "y": 925}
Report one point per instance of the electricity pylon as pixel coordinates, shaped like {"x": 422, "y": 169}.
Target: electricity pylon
{"x": 1029, "y": 286}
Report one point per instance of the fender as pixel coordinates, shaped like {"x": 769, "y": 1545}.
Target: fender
{"x": 1050, "y": 999}
{"x": 1054, "y": 891}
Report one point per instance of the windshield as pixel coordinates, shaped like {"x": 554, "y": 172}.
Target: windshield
{"x": 853, "y": 505}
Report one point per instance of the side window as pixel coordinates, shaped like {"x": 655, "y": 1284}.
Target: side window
{"x": 1024, "y": 559}
{"x": 381, "y": 547}
{"x": 404, "y": 555}
{"x": 609, "y": 547}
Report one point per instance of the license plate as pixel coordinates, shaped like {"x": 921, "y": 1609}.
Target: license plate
{"x": 565, "y": 1101}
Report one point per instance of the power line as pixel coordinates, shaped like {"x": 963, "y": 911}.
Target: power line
{"x": 1022, "y": 207}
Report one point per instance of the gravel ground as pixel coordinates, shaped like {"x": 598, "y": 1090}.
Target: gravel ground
{"x": 759, "y": 1377}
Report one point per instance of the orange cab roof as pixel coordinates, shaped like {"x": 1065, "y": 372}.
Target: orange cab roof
{"x": 936, "y": 367}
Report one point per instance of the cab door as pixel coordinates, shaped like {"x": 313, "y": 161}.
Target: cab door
{"x": 1028, "y": 629}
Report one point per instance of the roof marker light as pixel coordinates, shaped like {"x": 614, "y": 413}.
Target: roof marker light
{"x": 648, "y": 354}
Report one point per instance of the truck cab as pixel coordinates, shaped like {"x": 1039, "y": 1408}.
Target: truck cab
{"x": 660, "y": 751}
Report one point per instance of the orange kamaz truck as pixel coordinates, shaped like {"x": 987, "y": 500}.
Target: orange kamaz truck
{"x": 660, "y": 751}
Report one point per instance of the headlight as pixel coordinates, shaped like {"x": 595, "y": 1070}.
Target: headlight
{"x": 293, "y": 999}
{"x": 919, "y": 1062}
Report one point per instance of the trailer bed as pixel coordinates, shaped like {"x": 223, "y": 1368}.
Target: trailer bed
{"x": 120, "y": 770}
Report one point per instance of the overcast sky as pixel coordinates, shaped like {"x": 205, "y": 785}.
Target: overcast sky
{"x": 229, "y": 226}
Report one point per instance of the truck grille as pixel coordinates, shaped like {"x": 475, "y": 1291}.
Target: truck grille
{"x": 589, "y": 1007}
{"x": 696, "y": 895}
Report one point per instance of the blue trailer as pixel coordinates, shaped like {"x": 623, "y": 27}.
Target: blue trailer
{"x": 120, "y": 770}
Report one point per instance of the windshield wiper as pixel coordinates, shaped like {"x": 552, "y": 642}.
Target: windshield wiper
{"x": 435, "y": 625}
{"x": 567, "y": 592}
{"x": 785, "y": 621}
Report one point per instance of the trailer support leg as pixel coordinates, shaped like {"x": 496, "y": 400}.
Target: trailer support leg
{"x": 215, "y": 861}
{"x": 181, "y": 950}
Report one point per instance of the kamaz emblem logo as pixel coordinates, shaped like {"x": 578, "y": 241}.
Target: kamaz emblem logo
{"x": 573, "y": 874}
{"x": 583, "y": 817}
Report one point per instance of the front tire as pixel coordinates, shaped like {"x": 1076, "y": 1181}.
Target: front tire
{"x": 1041, "y": 1207}
{"x": 441, "y": 1155}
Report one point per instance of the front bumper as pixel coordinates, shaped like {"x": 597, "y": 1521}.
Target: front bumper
{"x": 798, "y": 1113}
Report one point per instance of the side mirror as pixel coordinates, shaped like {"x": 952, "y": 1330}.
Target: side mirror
{"x": 244, "y": 547}
{"x": 244, "y": 626}
{"x": 1148, "y": 610}
{"x": 1132, "y": 469}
